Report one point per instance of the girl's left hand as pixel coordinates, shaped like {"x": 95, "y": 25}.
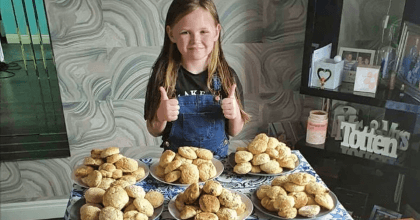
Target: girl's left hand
{"x": 230, "y": 104}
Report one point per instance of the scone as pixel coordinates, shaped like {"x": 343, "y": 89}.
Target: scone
{"x": 287, "y": 162}
{"x": 173, "y": 165}
{"x": 204, "y": 154}
{"x": 255, "y": 169}
{"x": 179, "y": 201}
{"x": 283, "y": 152}
{"x": 301, "y": 199}
{"x": 315, "y": 188}
{"x": 206, "y": 171}
{"x": 268, "y": 204}
{"x": 117, "y": 174}
{"x": 90, "y": 211}
{"x": 206, "y": 216}
{"x": 155, "y": 198}
{"x": 173, "y": 176}
{"x": 213, "y": 188}
{"x": 120, "y": 183}
{"x": 129, "y": 178}
{"x": 110, "y": 151}
{"x": 189, "y": 173}
{"x": 280, "y": 180}
{"x": 262, "y": 191}
{"x": 288, "y": 213}
{"x": 311, "y": 200}
{"x": 139, "y": 173}
{"x": 325, "y": 200}
{"x": 257, "y": 146}
{"x": 144, "y": 206}
{"x": 188, "y": 212}
{"x": 272, "y": 152}
{"x": 271, "y": 167}
{"x": 134, "y": 191}
{"x": 187, "y": 152}
{"x": 230, "y": 199}
{"x": 292, "y": 187}
{"x": 260, "y": 159}
{"x": 166, "y": 158}
{"x": 242, "y": 168}
{"x": 182, "y": 159}
{"x": 227, "y": 214}
{"x": 192, "y": 193}
{"x": 93, "y": 179}
{"x": 83, "y": 171}
{"x": 111, "y": 213}
{"x": 243, "y": 156}
{"x": 160, "y": 171}
{"x": 116, "y": 197}
{"x": 96, "y": 153}
{"x": 209, "y": 203}
{"x": 114, "y": 158}
{"x": 301, "y": 178}
{"x": 89, "y": 161}
{"x": 283, "y": 202}
{"x": 274, "y": 191}
{"x": 127, "y": 164}
{"x": 108, "y": 167}
{"x": 309, "y": 210}
{"x": 135, "y": 215}
{"x": 94, "y": 195}
{"x": 106, "y": 183}
{"x": 199, "y": 161}
{"x": 241, "y": 209}
{"x": 272, "y": 143}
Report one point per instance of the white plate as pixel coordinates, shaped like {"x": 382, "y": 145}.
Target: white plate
{"x": 74, "y": 213}
{"x": 257, "y": 204}
{"x": 249, "y": 207}
{"x": 231, "y": 159}
{"x": 219, "y": 170}
{"x": 79, "y": 182}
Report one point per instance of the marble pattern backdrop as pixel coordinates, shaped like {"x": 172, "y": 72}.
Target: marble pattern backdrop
{"x": 104, "y": 50}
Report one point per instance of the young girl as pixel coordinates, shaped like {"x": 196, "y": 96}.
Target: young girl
{"x": 193, "y": 97}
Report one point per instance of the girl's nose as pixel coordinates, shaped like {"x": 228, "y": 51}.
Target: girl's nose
{"x": 195, "y": 38}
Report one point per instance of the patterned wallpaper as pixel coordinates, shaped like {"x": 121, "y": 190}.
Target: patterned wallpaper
{"x": 104, "y": 50}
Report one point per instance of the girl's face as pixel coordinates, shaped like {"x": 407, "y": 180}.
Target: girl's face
{"x": 195, "y": 35}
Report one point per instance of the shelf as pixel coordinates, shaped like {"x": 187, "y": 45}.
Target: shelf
{"x": 390, "y": 99}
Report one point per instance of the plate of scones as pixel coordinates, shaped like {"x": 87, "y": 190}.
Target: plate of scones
{"x": 264, "y": 156}
{"x": 118, "y": 203}
{"x": 294, "y": 196}
{"x": 107, "y": 167}
{"x": 189, "y": 165}
{"x": 210, "y": 201}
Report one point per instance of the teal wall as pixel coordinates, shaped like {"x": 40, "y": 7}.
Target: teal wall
{"x": 9, "y": 19}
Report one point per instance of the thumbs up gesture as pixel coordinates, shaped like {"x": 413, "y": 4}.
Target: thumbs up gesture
{"x": 168, "y": 109}
{"x": 230, "y": 105}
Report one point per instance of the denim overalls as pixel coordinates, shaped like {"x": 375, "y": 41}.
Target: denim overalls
{"x": 200, "y": 123}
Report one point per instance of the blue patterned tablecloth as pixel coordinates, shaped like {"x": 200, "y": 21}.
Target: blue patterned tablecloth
{"x": 246, "y": 184}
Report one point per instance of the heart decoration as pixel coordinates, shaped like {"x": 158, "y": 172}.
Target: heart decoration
{"x": 325, "y": 72}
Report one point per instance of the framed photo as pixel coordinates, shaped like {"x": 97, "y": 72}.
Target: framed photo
{"x": 381, "y": 213}
{"x": 353, "y": 57}
{"x": 408, "y": 62}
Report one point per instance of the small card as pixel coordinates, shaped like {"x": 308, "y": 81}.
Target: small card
{"x": 366, "y": 79}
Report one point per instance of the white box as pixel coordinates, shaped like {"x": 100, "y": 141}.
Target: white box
{"x": 330, "y": 70}
{"x": 366, "y": 79}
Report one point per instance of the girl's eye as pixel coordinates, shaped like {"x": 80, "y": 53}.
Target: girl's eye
{"x": 204, "y": 32}
{"x": 184, "y": 32}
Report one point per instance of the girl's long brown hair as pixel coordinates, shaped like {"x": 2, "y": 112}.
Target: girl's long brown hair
{"x": 165, "y": 69}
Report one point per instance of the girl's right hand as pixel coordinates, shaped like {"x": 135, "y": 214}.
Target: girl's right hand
{"x": 168, "y": 109}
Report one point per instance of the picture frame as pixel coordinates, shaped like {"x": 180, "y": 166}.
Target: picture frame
{"x": 358, "y": 57}
{"x": 381, "y": 213}
{"x": 408, "y": 61}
